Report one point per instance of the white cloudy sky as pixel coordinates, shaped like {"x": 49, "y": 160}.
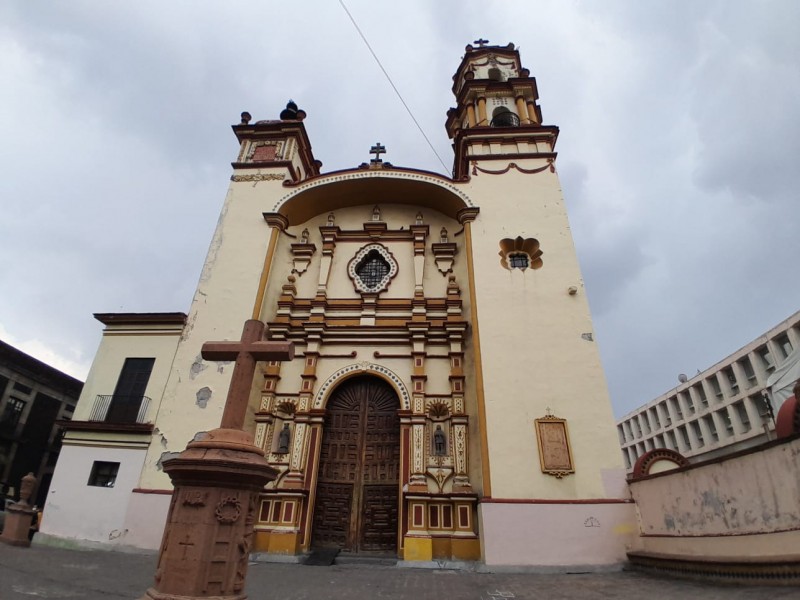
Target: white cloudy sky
{"x": 679, "y": 149}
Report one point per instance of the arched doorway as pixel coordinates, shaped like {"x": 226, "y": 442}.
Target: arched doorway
{"x": 358, "y": 477}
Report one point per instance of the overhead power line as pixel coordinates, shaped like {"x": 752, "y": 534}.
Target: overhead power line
{"x": 394, "y": 87}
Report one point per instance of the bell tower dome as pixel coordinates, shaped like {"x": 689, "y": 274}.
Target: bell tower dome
{"x": 497, "y": 111}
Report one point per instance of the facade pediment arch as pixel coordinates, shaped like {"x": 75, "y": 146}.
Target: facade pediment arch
{"x": 343, "y": 189}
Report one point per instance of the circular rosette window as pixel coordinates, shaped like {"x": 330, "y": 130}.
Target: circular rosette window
{"x": 520, "y": 253}
{"x": 372, "y": 269}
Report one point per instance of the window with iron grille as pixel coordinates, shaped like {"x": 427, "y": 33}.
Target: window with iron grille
{"x": 518, "y": 261}
{"x": 372, "y": 269}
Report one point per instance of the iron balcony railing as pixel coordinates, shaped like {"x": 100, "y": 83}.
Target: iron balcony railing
{"x": 505, "y": 119}
{"x": 120, "y": 409}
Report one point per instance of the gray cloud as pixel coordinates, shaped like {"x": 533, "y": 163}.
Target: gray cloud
{"x": 679, "y": 134}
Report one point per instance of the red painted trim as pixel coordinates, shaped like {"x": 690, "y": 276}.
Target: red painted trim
{"x": 549, "y": 501}
{"x": 151, "y": 491}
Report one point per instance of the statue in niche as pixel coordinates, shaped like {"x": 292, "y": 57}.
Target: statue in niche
{"x": 304, "y": 236}
{"x": 331, "y": 219}
{"x": 443, "y": 236}
{"x": 284, "y": 437}
{"x": 439, "y": 442}
{"x": 419, "y": 218}
{"x": 376, "y": 213}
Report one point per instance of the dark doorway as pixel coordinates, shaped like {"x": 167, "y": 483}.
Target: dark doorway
{"x": 129, "y": 393}
{"x": 357, "y": 486}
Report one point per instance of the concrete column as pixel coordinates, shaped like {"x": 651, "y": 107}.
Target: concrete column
{"x": 693, "y": 439}
{"x": 522, "y": 110}
{"x": 758, "y": 368}
{"x": 532, "y": 112}
{"x": 482, "y": 112}
{"x": 794, "y": 337}
{"x": 741, "y": 377}
{"x": 471, "y": 114}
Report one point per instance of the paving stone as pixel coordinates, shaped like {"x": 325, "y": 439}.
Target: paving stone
{"x": 56, "y": 573}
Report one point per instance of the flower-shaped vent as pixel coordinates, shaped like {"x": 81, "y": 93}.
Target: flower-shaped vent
{"x": 520, "y": 253}
{"x": 372, "y": 268}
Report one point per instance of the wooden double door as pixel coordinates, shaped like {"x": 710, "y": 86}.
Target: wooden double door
{"x": 358, "y": 478}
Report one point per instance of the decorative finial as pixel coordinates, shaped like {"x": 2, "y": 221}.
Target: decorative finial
{"x": 331, "y": 219}
{"x": 419, "y": 218}
{"x": 292, "y": 113}
{"x": 304, "y": 236}
{"x": 377, "y": 150}
{"x": 376, "y": 213}
{"x": 443, "y": 236}
{"x": 246, "y": 118}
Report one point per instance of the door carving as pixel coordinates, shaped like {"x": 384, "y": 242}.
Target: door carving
{"x": 358, "y": 478}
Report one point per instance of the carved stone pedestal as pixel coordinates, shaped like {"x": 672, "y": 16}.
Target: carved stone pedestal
{"x": 19, "y": 516}
{"x": 18, "y": 523}
{"x": 207, "y": 540}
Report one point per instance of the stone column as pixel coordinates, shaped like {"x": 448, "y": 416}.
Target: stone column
{"x": 207, "y": 539}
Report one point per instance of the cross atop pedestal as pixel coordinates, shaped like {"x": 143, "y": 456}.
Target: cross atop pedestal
{"x": 246, "y": 352}
{"x": 481, "y": 42}
{"x": 377, "y": 150}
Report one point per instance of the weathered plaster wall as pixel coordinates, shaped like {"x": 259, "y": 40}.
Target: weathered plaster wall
{"x": 747, "y": 506}
{"x": 537, "y": 343}
{"x": 107, "y": 366}
{"x": 556, "y": 534}
{"x": 75, "y": 510}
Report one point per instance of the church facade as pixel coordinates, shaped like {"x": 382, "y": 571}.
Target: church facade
{"x": 446, "y": 400}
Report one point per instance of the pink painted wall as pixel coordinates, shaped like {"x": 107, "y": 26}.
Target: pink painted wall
{"x": 145, "y": 520}
{"x": 556, "y": 534}
{"x": 747, "y": 506}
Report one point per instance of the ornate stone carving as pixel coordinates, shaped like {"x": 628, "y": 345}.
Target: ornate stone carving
{"x": 228, "y": 510}
{"x": 372, "y": 269}
{"x": 555, "y": 454}
{"x": 258, "y": 177}
{"x": 364, "y": 367}
{"x": 519, "y": 253}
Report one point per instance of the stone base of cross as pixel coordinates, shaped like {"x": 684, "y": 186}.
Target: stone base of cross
{"x": 217, "y": 479}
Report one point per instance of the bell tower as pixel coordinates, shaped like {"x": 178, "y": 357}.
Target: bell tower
{"x": 553, "y": 488}
{"x": 494, "y": 93}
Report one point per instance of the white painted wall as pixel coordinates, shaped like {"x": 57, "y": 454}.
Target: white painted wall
{"x": 75, "y": 510}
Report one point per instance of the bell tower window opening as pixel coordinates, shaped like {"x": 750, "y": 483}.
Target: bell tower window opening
{"x": 372, "y": 269}
{"x": 495, "y": 74}
{"x": 502, "y": 117}
{"x": 518, "y": 260}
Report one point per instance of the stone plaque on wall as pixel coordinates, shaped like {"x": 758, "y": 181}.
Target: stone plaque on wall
{"x": 555, "y": 454}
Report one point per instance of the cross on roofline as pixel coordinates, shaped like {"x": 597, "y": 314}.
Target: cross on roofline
{"x": 481, "y": 42}
{"x": 377, "y": 150}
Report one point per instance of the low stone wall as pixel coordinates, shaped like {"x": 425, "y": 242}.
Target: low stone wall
{"x": 743, "y": 509}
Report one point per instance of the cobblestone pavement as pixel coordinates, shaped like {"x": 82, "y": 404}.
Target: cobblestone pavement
{"x": 54, "y": 573}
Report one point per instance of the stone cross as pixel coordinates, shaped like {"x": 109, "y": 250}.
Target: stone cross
{"x": 377, "y": 150}
{"x": 246, "y": 352}
{"x": 481, "y": 42}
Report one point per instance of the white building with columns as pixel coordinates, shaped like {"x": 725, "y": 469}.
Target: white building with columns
{"x": 719, "y": 410}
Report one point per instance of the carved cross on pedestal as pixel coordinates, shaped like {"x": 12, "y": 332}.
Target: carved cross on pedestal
{"x": 246, "y": 352}
{"x": 481, "y": 42}
{"x": 377, "y": 150}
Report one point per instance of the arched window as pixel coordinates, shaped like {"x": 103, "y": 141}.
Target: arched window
{"x": 502, "y": 117}
{"x": 495, "y": 74}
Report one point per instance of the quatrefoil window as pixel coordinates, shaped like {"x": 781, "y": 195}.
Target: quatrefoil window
{"x": 372, "y": 268}
{"x": 520, "y": 253}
